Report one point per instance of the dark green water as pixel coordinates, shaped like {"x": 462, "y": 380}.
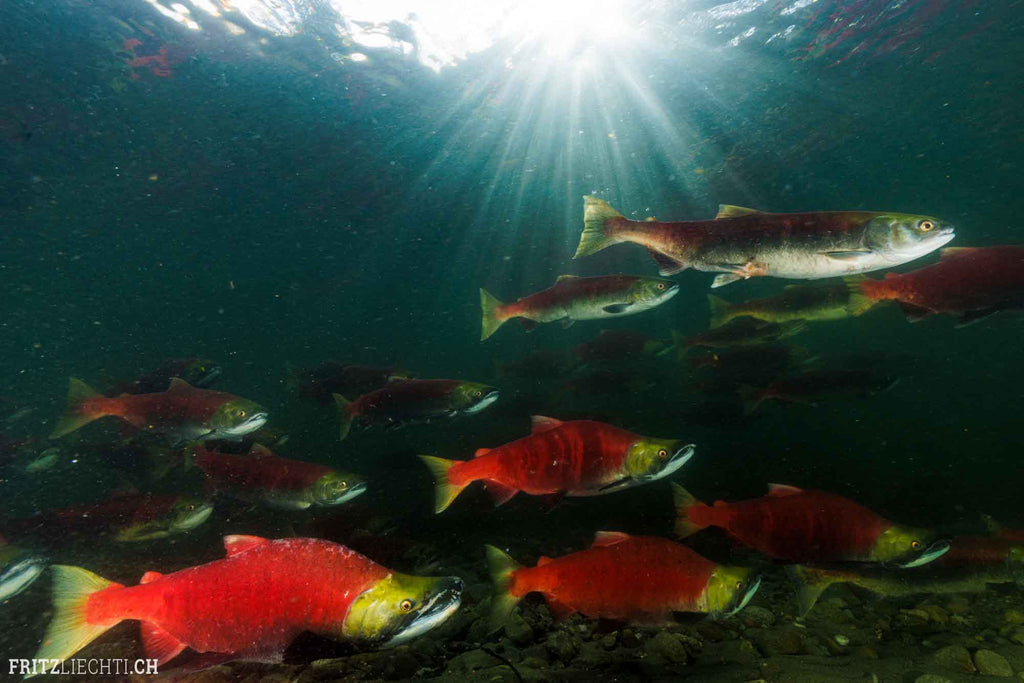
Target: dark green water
{"x": 268, "y": 200}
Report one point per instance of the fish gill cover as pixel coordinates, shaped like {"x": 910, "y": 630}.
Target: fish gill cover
{"x": 235, "y": 231}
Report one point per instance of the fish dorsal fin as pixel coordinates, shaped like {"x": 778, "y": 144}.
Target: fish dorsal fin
{"x": 543, "y": 560}
{"x": 149, "y": 577}
{"x": 481, "y": 451}
{"x": 783, "y": 490}
{"x": 178, "y": 384}
{"x": 730, "y": 211}
{"x": 603, "y": 539}
{"x": 539, "y": 423}
{"x": 563, "y": 278}
{"x": 237, "y": 544}
{"x": 953, "y": 252}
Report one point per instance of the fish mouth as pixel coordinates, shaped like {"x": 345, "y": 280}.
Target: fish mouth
{"x": 197, "y": 518}
{"x": 746, "y": 597}
{"x": 933, "y": 552}
{"x": 442, "y": 605}
{"x": 487, "y": 400}
{"x": 20, "y": 576}
{"x": 255, "y": 421}
{"x": 348, "y": 495}
{"x": 678, "y": 459}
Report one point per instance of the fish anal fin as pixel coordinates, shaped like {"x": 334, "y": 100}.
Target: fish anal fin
{"x": 550, "y": 501}
{"x": 178, "y": 384}
{"x": 540, "y": 423}
{"x": 913, "y": 312}
{"x": 782, "y": 490}
{"x": 603, "y": 539}
{"x": 160, "y": 645}
{"x": 666, "y": 264}
{"x": 971, "y": 317}
{"x": 500, "y": 493}
{"x": 236, "y": 544}
{"x": 543, "y": 560}
{"x": 730, "y": 211}
{"x": 567, "y": 322}
{"x": 725, "y": 279}
{"x": 528, "y": 325}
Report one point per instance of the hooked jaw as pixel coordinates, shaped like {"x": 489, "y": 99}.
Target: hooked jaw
{"x": 487, "y": 400}
{"x": 933, "y": 552}
{"x": 440, "y": 606}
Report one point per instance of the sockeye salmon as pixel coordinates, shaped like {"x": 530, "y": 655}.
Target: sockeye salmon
{"x": 574, "y": 298}
{"x": 809, "y": 526}
{"x": 251, "y": 604}
{"x": 279, "y": 482}
{"x": 579, "y": 458}
{"x": 414, "y": 400}
{"x": 18, "y": 569}
{"x": 969, "y": 282}
{"x": 638, "y": 579}
{"x": 182, "y": 413}
{"x": 742, "y": 243}
{"x": 818, "y": 302}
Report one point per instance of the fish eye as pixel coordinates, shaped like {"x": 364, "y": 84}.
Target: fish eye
{"x": 478, "y": 393}
{"x": 925, "y": 225}
{"x": 739, "y": 585}
{"x": 661, "y": 285}
{"x": 662, "y": 453}
{"x": 405, "y": 605}
{"x": 915, "y": 545}
{"x": 241, "y": 413}
{"x": 191, "y": 507}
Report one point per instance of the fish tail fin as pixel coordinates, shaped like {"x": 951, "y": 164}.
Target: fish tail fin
{"x": 859, "y": 301}
{"x": 595, "y": 237}
{"x": 346, "y": 414}
{"x": 752, "y": 398}
{"x": 721, "y": 310}
{"x": 502, "y": 567}
{"x": 685, "y": 503}
{"x": 74, "y": 416}
{"x": 810, "y": 584}
{"x": 444, "y": 491}
{"x": 490, "y": 307}
{"x": 69, "y": 631}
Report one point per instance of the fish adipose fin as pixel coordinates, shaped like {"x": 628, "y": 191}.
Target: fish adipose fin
{"x": 160, "y": 645}
{"x": 685, "y": 502}
{"x": 783, "y": 490}
{"x": 563, "y": 278}
{"x": 666, "y": 264}
{"x": 721, "y": 310}
{"x": 345, "y": 415}
{"x": 914, "y": 313}
{"x": 73, "y": 418}
{"x": 69, "y": 631}
{"x": 596, "y": 212}
{"x": 492, "y": 319}
{"x": 500, "y": 493}
{"x": 810, "y": 584}
{"x": 444, "y": 491}
{"x": 502, "y": 567}
{"x": 730, "y": 211}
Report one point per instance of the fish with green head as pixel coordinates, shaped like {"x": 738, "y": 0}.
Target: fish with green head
{"x": 741, "y": 243}
{"x": 574, "y": 298}
{"x": 415, "y": 400}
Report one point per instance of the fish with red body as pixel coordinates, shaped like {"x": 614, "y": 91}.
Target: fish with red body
{"x": 415, "y": 400}
{"x": 738, "y": 333}
{"x": 637, "y": 579}
{"x": 794, "y": 525}
{"x": 279, "y": 482}
{"x": 574, "y": 298}
{"x": 966, "y": 552}
{"x": 182, "y": 413}
{"x": 130, "y": 517}
{"x": 617, "y": 346}
{"x": 811, "y": 385}
{"x": 251, "y": 604}
{"x": 743, "y": 243}
{"x": 969, "y": 282}
{"x": 577, "y": 458}
{"x": 198, "y": 372}
{"x": 331, "y": 377}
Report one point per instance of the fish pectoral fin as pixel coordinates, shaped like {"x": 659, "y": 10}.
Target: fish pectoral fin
{"x": 971, "y": 317}
{"x": 615, "y": 485}
{"x": 615, "y": 309}
{"x": 849, "y": 255}
{"x": 730, "y": 211}
{"x": 725, "y": 279}
{"x": 160, "y": 645}
{"x": 666, "y": 264}
{"x": 914, "y": 313}
{"x": 567, "y": 322}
